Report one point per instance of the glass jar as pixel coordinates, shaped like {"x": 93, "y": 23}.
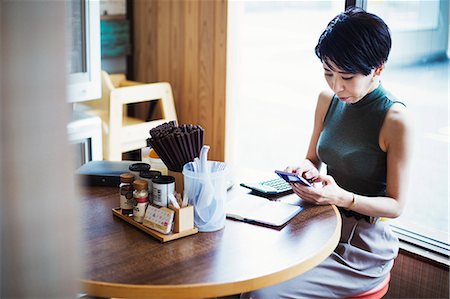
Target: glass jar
{"x": 162, "y": 186}
{"x": 126, "y": 193}
{"x": 140, "y": 196}
{"x": 149, "y": 176}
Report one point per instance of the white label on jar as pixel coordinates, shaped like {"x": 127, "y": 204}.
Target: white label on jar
{"x": 161, "y": 192}
{"x": 125, "y": 203}
{"x": 139, "y": 212}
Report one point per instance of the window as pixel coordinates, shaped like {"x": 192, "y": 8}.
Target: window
{"x": 272, "y": 96}
{"x": 418, "y": 73}
{"x": 270, "y": 65}
{"x": 83, "y": 57}
{"x": 83, "y": 67}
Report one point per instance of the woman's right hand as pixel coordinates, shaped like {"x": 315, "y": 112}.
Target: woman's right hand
{"x": 306, "y": 170}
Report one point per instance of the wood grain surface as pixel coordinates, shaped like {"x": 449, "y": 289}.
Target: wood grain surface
{"x": 122, "y": 261}
{"x": 184, "y": 43}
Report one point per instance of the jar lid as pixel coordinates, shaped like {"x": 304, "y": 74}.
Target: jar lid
{"x": 139, "y": 167}
{"x": 163, "y": 179}
{"x": 127, "y": 177}
{"x": 140, "y": 185}
{"x": 149, "y": 174}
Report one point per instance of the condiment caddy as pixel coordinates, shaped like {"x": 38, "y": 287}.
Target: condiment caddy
{"x": 160, "y": 236}
{"x": 163, "y": 216}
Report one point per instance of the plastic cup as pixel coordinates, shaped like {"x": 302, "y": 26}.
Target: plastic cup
{"x": 207, "y": 192}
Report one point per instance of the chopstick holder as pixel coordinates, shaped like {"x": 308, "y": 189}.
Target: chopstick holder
{"x": 184, "y": 219}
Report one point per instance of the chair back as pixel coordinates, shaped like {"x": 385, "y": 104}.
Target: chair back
{"x": 122, "y": 133}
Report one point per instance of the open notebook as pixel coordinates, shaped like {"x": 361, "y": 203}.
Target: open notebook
{"x": 252, "y": 208}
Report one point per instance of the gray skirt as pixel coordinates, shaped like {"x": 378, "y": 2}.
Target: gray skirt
{"x": 361, "y": 261}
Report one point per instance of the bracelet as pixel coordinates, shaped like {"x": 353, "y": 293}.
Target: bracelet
{"x": 353, "y": 205}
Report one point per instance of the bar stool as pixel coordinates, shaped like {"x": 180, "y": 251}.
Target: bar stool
{"x": 377, "y": 292}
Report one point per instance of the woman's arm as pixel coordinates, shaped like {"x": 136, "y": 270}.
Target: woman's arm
{"x": 323, "y": 102}
{"x": 395, "y": 139}
{"x": 310, "y": 167}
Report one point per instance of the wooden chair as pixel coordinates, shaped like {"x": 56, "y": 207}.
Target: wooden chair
{"x": 122, "y": 133}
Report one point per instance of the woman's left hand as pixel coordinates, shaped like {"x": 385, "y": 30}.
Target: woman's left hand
{"x": 329, "y": 193}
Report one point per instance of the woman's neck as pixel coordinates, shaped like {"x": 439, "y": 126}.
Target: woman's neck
{"x": 374, "y": 85}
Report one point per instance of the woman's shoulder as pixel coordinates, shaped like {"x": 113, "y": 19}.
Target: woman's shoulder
{"x": 325, "y": 97}
{"x": 397, "y": 124}
{"x": 323, "y": 101}
{"x": 397, "y": 115}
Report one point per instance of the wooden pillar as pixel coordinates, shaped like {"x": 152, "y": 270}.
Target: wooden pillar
{"x": 183, "y": 42}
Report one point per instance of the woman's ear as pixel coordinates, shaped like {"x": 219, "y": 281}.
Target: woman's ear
{"x": 379, "y": 69}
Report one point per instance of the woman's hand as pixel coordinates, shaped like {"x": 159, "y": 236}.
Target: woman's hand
{"x": 329, "y": 193}
{"x": 306, "y": 170}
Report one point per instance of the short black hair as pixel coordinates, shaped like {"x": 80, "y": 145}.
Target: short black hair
{"x": 355, "y": 41}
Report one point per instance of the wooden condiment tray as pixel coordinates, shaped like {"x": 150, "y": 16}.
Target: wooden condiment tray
{"x": 159, "y": 236}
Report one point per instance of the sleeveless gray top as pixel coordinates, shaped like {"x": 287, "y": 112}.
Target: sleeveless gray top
{"x": 349, "y": 143}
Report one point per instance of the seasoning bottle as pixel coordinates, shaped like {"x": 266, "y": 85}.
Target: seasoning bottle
{"x": 148, "y": 176}
{"x": 126, "y": 193}
{"x": 140, "y": 195}
{"x": 162, "y": 186}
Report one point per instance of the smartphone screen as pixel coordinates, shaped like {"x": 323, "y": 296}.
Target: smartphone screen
{"x": 292, "y": 178}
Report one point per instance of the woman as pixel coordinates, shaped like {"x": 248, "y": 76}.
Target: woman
{"x": 362, "y": 134}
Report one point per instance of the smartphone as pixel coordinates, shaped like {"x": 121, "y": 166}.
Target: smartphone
{"x": 293, "y": 178}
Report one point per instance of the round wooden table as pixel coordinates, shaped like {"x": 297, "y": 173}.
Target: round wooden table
{"x": 122, "y": 261}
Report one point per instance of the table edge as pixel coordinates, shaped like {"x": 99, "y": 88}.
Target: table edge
{"x": 107, "y": 289}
